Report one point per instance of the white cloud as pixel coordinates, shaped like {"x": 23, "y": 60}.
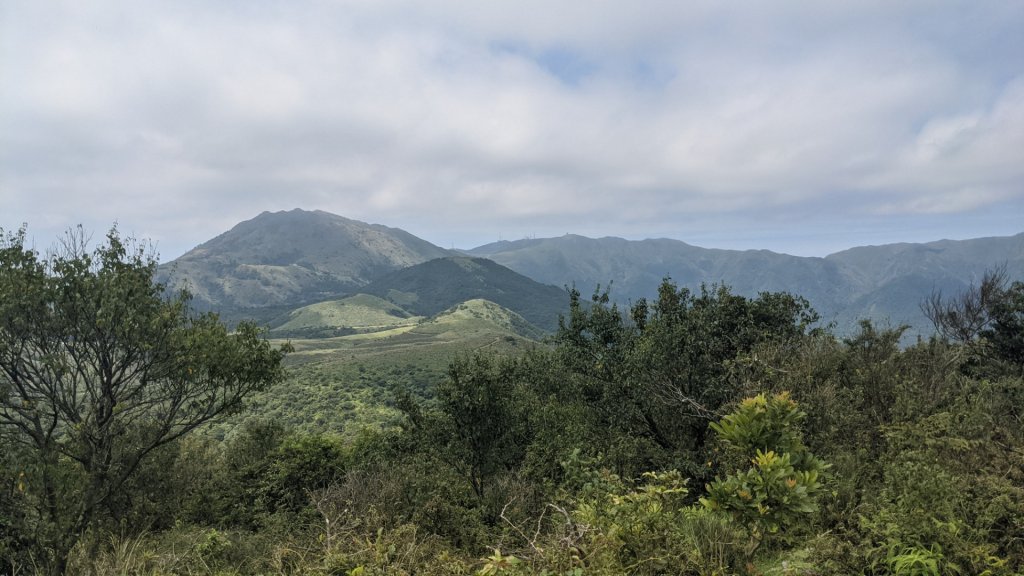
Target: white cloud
{"x": 960, "y": 161}
{"x": 181, "y": 118}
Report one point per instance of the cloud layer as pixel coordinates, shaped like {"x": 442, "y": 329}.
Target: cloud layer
{"x": 796, "y": 126}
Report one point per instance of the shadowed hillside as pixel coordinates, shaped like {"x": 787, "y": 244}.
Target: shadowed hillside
{"x": 432, "y": 287}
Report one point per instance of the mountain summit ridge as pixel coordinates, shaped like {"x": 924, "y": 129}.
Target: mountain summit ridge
{"x": 294, "y": 257}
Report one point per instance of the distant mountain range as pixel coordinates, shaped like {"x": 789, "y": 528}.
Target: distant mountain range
{"x": 278, "y": 262}
{"x": 877, "y": 282}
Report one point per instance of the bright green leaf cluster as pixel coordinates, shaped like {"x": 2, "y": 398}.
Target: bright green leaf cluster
{"x": 772, "y": 494}
{"x": 762, "y": 423}
{"x": 783, "y": 483}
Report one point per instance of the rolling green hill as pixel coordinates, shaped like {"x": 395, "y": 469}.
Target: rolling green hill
{"x": 479, "y": 316}
{"x": 347, "y": 383}
{"x": 437, "y": 285}
{"x": 359, "y": 313}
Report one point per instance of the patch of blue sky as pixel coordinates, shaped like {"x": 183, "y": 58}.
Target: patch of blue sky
{"x": 568, "y": 66}
{"x": 646, "y": 74}
{"x": 572, "y": 67}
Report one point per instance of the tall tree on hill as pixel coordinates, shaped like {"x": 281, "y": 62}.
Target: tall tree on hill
{"x": 490, "y": 434}
{"x": 663, "y": 376}
{"x": 98, "y": 369}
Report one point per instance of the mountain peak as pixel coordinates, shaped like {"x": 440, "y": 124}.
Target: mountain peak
{"x": 295, "y": 256}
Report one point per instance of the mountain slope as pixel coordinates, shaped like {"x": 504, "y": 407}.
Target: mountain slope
{"x": 290, "y": 258}
{"x": 965, "y": 260}
{"x": 891, "y": 281}
{"x": 434, "y": 286}
{"x": 270, "y": 265}
{"x": 636, "y": 268}
{"x": 877, "y": 282}
{"x": 479, "y": 315}
{"x": 359, "y": 313}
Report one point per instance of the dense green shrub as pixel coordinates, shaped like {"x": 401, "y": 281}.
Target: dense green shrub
{"x": 781, "y": 488}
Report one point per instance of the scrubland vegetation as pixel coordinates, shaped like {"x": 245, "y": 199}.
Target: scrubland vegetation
{"x": 698, "y": 433}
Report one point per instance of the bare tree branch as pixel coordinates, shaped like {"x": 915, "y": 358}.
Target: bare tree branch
{"x": 962, "y": 317}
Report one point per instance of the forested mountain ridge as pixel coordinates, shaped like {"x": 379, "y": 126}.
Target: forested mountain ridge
{"x": 876, "y": 265}
{"x": 635, "y": 269}
{"x": 878, "y": 282}
{"x": 277, "y": 262}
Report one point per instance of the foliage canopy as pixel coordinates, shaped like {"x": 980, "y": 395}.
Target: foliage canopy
{"x": 99, "y": 368}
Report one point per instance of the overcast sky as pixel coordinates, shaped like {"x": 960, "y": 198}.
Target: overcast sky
{"x": 801, "y": 127}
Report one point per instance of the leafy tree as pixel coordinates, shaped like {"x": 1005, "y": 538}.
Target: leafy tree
{"x": 15, "y": 540}
{"x": 99, "y": 368}
{"x": 781, "y": 487}
{"x": 232, "y": 490}
{"x": 594, "y": 338}
{"x": 593, "y": 347}
{"x": 479, "y": 398}
{"x": 653, "y": 380}
{"x": 1005, "y": 335}
{"x": 302, "y": 464}
{"x": 681, "y": 360}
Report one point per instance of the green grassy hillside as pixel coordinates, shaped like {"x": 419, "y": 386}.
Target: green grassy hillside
{"x": 355, "y": 314}
{"x": 435, "y": 286}
{"x": 348, "y": 383}
{"x": 479, "y": 316}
